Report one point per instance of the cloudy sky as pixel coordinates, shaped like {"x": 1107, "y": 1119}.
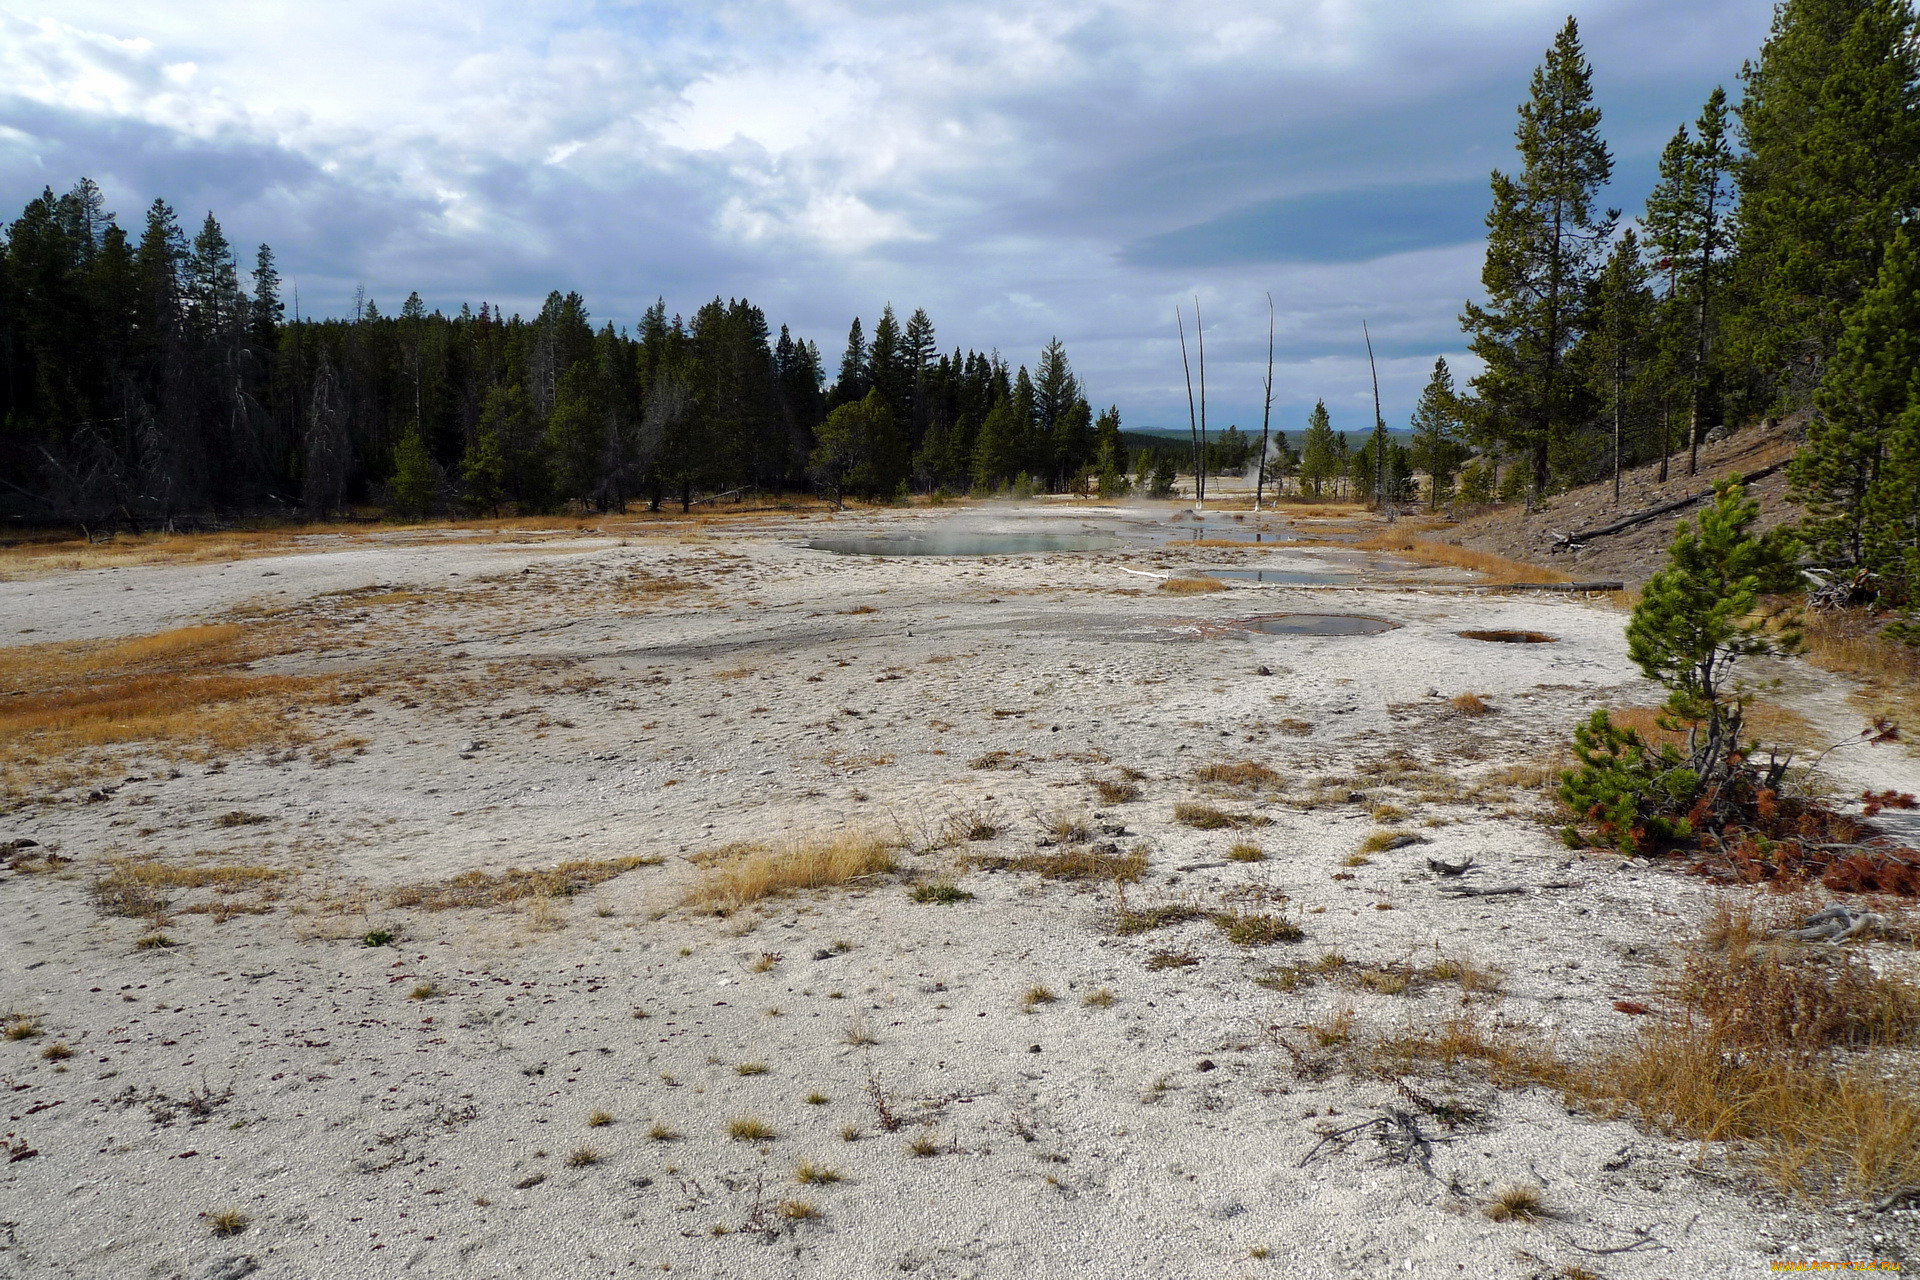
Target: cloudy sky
{"x": 1019, "y": 169}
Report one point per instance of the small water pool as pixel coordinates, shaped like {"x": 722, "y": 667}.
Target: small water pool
{"x": 1318, "y": 624}
{"x": 1510, "y": 637}
{"x": 965, "y": 544}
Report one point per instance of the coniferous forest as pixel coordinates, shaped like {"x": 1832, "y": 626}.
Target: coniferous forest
{"x": 144, "y": 381}
{"x": 147, "y": 378}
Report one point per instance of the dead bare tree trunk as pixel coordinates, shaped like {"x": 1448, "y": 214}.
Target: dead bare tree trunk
{"x": 1193, "y": 427}
{"x": 1379, "y": 434}
{"x": 1200, "y": 335}
{"x": 1266, "y": 414}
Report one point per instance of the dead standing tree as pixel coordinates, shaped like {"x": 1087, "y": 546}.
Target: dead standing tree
{"x": 1193, "y": 424}
{"x": 1266, "y": 414}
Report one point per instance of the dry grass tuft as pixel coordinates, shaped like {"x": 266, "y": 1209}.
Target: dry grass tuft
{"x": 1115, "y": 792}
{"x": 583, "y": 1156}
{"x": 1099, "y": 998}
{"x": 1244, "y": 852}
{"x": 1469, "y": 704}
{"x": 227, "y": 1222}
{"x": 484, "y": 889}
{"x": 749, "y": 1129}
{"x": 1204, "y": 817}
{"x": 599, "y": 1119}
{"x": 739, "y": 874}
{"x": 1087, "y": 863}
{"x": 798, "y": 1210}
{"x": 1037, "y": 995}
{"x": 1257, "y": 929}
{"x": 810, "y": 1174}
{"x": 20, "y": 1026}
{"x": 1247, "y": 774}
{"x": 1193, "y": 586}
{"x": 1516, "y": 1204}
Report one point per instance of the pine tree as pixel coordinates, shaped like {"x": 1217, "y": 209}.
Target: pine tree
{"x": 1689, "y": 220}
{"x": 1617, "y": 349}
{"x": 1830, "y": 123}
{"x": 1437, "y": 448}
{"x": 1696, "y": 621}
{"x": 852, "y": 382}
{"x": 1545, "y": 238}
{"x": 266, "y": 312}
{"x": 415, "y": 485}
{"x": 1860, "y": 514}
{"x": 889, "y": 370}
{"x": 1320, "y": 459}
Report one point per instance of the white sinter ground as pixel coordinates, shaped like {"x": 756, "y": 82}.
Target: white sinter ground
{"x": 675, "y": 691}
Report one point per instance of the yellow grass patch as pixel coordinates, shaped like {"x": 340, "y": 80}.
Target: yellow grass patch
{"x": 736, "y": 875}
{"x": 1249, "y": 774}
{"x": 484, "y": 889}
{"x": 1848, "y": 643}
{"x": 1198, "y": 585}
{"x": 187, "y": 688}
{"x": 1799, "y": 1056}
{"x": 1497, "y": 569}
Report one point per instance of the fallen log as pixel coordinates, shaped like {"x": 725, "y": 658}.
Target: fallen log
{"x": 1568, "y": 541}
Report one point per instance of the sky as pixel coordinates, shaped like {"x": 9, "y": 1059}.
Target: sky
{"x": 1073, "y": 169}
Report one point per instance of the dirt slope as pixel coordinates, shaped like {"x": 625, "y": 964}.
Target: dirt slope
{"x": 1636, "y": 553}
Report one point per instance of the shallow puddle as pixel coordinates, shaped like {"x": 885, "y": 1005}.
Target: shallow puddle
{"x": 966, "y": 544}
{"x": 1510, "y": 637}
{"x": 1318, "y": 624}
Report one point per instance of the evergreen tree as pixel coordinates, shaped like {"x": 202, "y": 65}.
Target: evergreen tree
{"x": 998, "y": 448}
{"x": 1861, "y": 513}
{"x": 1689, "y": 218}
{"x": 1110, "y": 454}
{"x": 1830, "y": 123}
{"x": 1437, "y": 448}
{"x": 1320, "y": 455}
{"x": 852, "y": 383}
{"x": 414, "y": 486}
{"x": 266, "y": 311}
{"x": 888, "y": 365}
{"x": 1545, "y": 237}
{"x": 1618, "y": 348}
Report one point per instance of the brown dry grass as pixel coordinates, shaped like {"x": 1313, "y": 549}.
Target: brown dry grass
{"x": 484, "y": 889}
{"x": 1087, "y": 863}
{"x": 1470, "y": 704}
{"x": 1246, "y": 774}
{"x": 56, "y": 552}
{"x": 137, "y": 887}
{"x": 736, "y": 875}
{"x": 1848, "y": 642}
{"x": 1800, "y": 1056}
{"x": 1193, "y": 586}
{"x": 1496, "y": 569}
{"x": 188, "y": 689}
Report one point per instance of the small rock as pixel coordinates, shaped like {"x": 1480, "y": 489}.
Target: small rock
{"x": 1205, "y": 1064}
{"x": 1033, "y": 1048}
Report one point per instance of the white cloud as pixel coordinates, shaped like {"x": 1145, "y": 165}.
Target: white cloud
{"x": 987, "y": 159}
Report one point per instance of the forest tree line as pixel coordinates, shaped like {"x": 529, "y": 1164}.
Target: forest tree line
{"x": 144, "y": 382}
{"x": 1773, "y": 273}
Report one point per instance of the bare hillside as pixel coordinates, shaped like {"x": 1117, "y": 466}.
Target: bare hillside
{"x": 1635, "y": 553}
